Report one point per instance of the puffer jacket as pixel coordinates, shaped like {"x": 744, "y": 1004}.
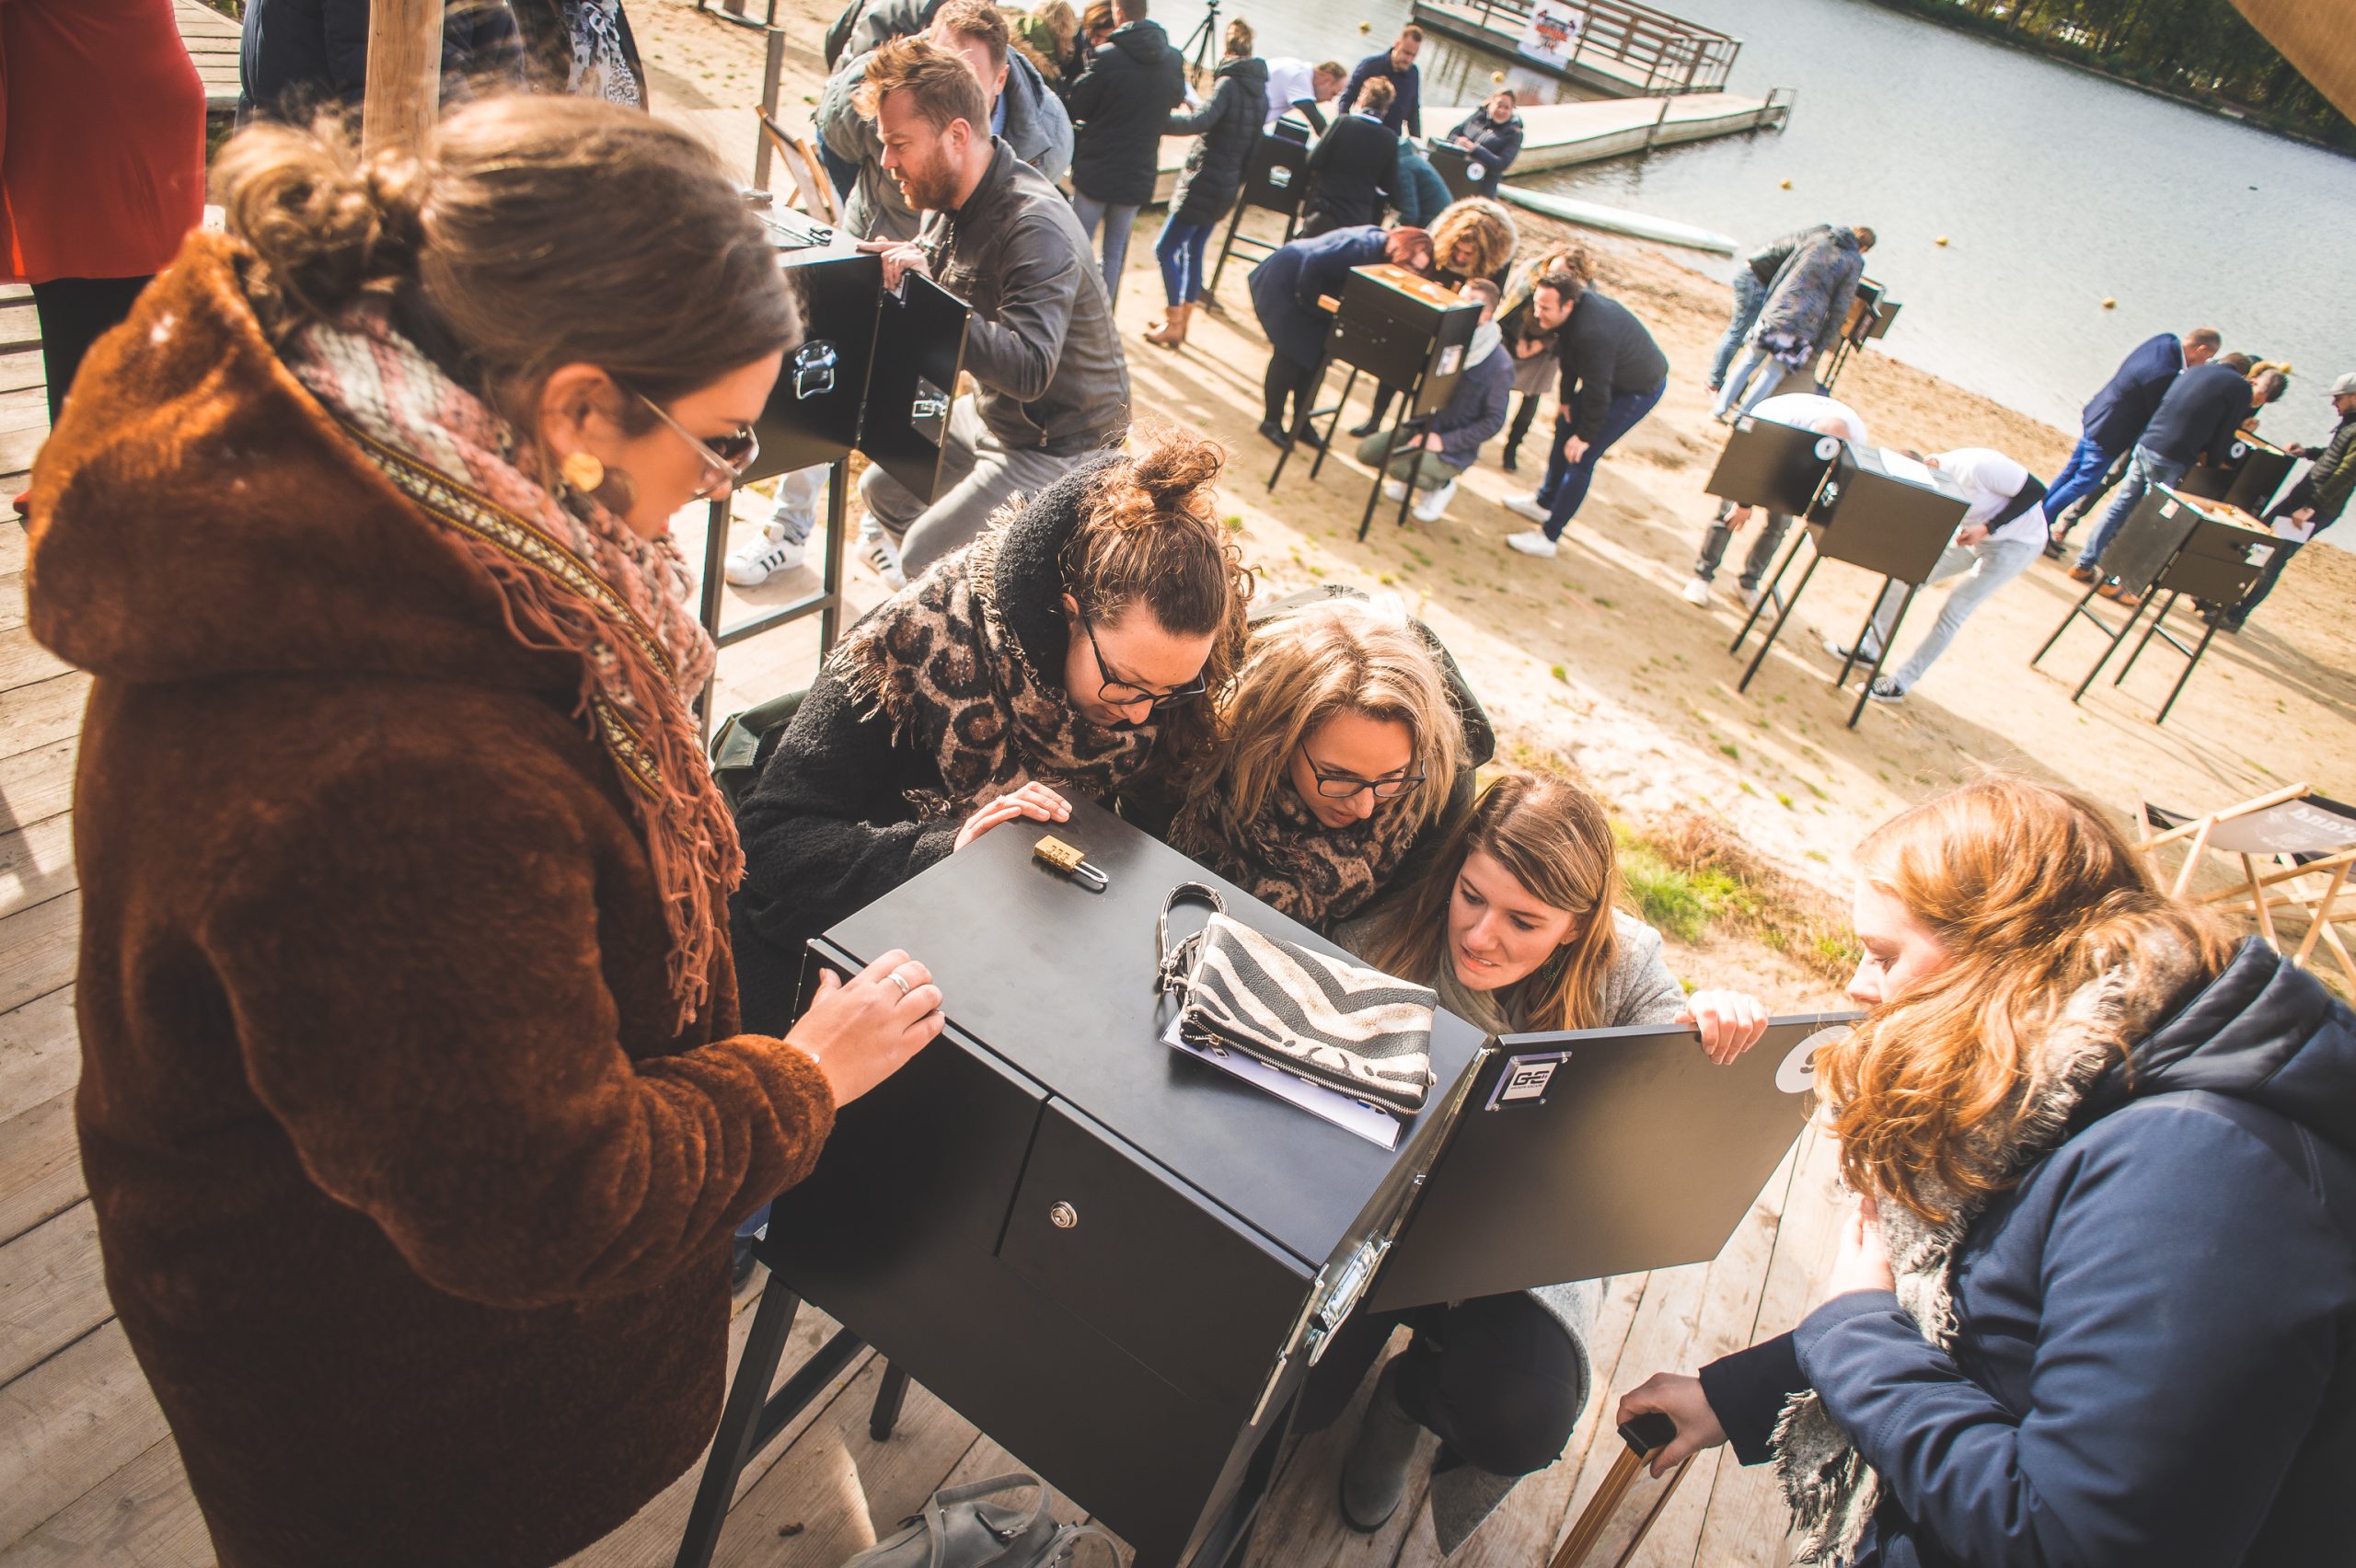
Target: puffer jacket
{"x": 1120, "y": 105}
{"x": 1228, "y": 125}
{"x": 1812, "y": 292}
{"x": 1041, "y": 341}
{"x": 1036, "y": 127}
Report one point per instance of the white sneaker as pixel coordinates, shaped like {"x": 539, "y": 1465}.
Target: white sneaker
{"x": 1526, "y": 506}
{"x": 1533, "y": 543}
{"x": 1751, "y": 597}
{"x": 1864, "y": 654}
{"x": 1394, "y": 490}
{"x": 1695, "y": 592}
{"x": 882, "y": 558}
{"x": 773, "y": 552}
{"x": 1429, "y": 508}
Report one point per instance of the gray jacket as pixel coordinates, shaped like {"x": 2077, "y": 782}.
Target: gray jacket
{"x": 1036, "y": 127}
{"x": 1811, "y": 295}
{"x": 881, "y": 21}
{"x": 1040, "y": 340}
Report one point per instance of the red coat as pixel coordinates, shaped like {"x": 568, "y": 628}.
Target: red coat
{"x": 101, "y": 139}
{"x": 414, "y": 1204}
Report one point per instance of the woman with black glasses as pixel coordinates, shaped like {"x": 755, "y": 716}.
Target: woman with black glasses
{"x": 1347, "y": 740}
{"x": 1068, "y": 648}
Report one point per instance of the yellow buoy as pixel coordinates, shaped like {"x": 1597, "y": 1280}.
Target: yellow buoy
{"x": 1787, "y": 185}
{"x": 1941, "y": 240}
{"x": 2109, "y": 304}
{"x": 1496, "y": 75}
{"x": 1366, "y": 26}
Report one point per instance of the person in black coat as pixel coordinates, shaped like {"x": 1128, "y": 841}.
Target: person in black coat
{"x": 297, "y": 56}
{"x": 1612, "y": 374}
{"x": 1118, "y": 108}
{"x": 1230, "y": 128}
{"x": 1067, "y": 650}
{"x": 1286, "y": 288}
{"x": 1492, "y": 134}
{"x": 1353, "y": 169}
{"x": 2097, "y": 1304}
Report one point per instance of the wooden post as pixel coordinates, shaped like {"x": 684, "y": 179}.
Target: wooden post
{"x": 404, "y": 91}
{"x": 772, "y": 70}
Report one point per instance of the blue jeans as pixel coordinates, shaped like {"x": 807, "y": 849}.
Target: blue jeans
{"x": 2144, "y": 469}
{"x": 1179, "y": 251}
{"x": 2082, "y": 475}
{"x": 1750, "y": 298}
{"x": 1566, "y": 481}
{"x": 1116, "y": 222}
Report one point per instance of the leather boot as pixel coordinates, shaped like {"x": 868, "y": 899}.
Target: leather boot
{"x": 1374, "y": 1477}
{"x": 1173, "y": 332}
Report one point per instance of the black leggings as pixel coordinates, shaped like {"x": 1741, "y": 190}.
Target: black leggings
{"x": 1496, "y": 1378}
{"x": 1523, "y": 418}
{"x": 74, "y": 313}
{"x": 1288, "y": 379}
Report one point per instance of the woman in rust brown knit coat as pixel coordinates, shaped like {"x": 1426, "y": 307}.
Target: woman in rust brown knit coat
{"x": 413, "y": 1104}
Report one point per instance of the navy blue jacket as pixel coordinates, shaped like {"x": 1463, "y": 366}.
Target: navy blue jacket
{"x": 1417, "y": 192}
{"x": 1406, "y": 108}
{"x": 1476, "y": 410}
{"x": 2198, "y": 416}
{"x": 2115, "y": 417}
{"x": 2155, "y": 1360}
{"x": 1285, "y": 286}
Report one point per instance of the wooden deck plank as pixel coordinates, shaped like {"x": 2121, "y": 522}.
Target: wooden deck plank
{"x": 141, "y": 1514}
{"x": 22, "y": 368}
{"x": 36, "y": 864}
{"x": 25, "y": 662}
{"x": 13, "y": 608}
{"x": 19, "y": 447}
{"x": 38, "y": 948}
{"x": 37, "y": 785}
{"x": 43, "y": 714}
{"x": 73, "y": 1422}
{"x": 40, "y": 1165}
{"x": 51, "y": 1292}
{"x": 19, "y": 325}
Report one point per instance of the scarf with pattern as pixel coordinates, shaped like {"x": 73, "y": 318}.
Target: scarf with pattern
{"x": 571, "y": 578}
{"x": 1832, "y": 1490}
{"x": 939, "y": 661}
{"x": 1292, "y": 862}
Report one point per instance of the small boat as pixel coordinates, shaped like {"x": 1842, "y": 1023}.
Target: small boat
{"x": 1617, "y": 220}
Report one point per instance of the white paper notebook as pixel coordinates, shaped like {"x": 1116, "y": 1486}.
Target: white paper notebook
{"x": 1371, "y": 1123}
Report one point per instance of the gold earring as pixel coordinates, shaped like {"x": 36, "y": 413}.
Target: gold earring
{"x": 582, "y": 471}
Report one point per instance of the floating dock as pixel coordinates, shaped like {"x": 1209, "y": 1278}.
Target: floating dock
{"x": 1558, "y": 135}
{"x": 1613, "y": 46}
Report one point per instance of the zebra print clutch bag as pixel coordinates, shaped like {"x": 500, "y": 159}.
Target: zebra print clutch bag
{"x": 1327, "y": 1020}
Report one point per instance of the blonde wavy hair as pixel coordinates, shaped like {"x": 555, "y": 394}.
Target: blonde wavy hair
{"x": 1310, "y": 664}
{"x": 2033, "y": 894}
{"x": 1556, "y": 839}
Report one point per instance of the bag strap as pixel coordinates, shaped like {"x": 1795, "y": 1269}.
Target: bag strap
{"x": 1070, "y": 1536}
{"x": 936, "y": 1511}
{"x": 1170, "y": 969}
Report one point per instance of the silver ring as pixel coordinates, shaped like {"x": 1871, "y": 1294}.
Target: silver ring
{"x": 900, "y": 980}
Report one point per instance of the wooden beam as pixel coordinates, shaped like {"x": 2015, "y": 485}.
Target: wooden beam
{"x": 404, "y": 89}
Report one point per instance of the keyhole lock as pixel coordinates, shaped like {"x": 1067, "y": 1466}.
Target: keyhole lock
{"x": 1063, "y": 1216}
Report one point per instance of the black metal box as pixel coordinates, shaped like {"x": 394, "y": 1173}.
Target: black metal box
{"x": 1113, "y": 1258}
{"x": 1405, "y": 330}
{"x": 2249, "y": 476}
{"x": 1775, "y": 466}
{"x": 1277, "y": 174}
{"x": 1886, "y": 512}
{"x": 1870, "y": 313}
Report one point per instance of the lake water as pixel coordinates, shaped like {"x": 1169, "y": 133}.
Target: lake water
{"x": 2055, "y": 189}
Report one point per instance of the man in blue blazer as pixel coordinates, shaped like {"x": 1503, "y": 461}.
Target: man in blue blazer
{"x": 2115, "y": 417}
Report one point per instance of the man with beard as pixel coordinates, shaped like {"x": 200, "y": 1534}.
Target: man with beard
{"x": 1052, "y": 388}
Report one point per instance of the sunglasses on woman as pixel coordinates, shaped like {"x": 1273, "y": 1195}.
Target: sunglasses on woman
{"x": 726, "y": 457}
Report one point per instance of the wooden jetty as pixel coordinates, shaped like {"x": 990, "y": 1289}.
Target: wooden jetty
{"x": 1623, "y": 48}
{"x": 1559, "y": 135}
{"x": 212, "y": 42}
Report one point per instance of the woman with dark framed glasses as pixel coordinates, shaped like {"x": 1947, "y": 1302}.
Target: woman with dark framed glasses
{"x": 1346, "y": 747}
{"x": 1072, "y": 649}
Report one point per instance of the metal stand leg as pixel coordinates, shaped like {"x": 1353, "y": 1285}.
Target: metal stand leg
{"x": 830, "y": 619}
{"x": 1391, "y": 453}
{"x": 2133, "y": 617}
{"x": 1333, "y": 430}
{"x": 732, "y": 1445}
{"x": 1307, "y": 394}
{"x": 1768, "y": 596}
{"x": 1229, "y": 244}
{"x": 2075, "y": 611}
{"x": 1777, "y": 629}
{"x": 2144, "y": 641}
{"x": 2208, "y": 630}
{"x": 715, "y": 557}
{"x": 1864, "y": 693}
{"x": 890, "y": 1393}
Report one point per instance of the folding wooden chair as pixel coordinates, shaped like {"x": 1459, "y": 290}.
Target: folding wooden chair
{"x": 813, "y": 191}
{"x": 2295, "y": 851}
{"x": 1613, "y": 1527}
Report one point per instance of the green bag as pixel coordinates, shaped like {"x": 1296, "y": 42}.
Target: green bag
{"x": 742, "y": 745}
{"x": 958, "y": 1529}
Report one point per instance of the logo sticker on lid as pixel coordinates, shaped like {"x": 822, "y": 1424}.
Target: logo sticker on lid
{"x": 1797, "y": 1075}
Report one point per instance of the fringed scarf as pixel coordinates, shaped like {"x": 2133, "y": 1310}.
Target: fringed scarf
{"x": 1292, "y": 862}
{"x": 1831, "y": 1489}
{"x": 572, "y": 579}
{"x": 939, "y": 661}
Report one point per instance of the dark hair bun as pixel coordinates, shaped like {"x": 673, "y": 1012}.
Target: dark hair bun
{"x": 1175, "y": 473}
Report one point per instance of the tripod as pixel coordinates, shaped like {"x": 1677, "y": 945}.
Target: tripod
{"x": 1202, "y": 42}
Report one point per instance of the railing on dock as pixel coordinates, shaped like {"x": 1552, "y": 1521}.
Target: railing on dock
{"x": 1640, "y": 49}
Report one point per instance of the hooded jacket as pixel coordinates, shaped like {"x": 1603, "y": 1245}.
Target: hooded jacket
{"x": 1230, "y": 128}
{"x": 414, "y": 1201}
{"x": 1812, "y": 292}
{"x": 2154, "y": 1353}
{"x": 1120, "y": 105}
{"x": 1036, "y": 127}
{"x": 1039, "y": 342}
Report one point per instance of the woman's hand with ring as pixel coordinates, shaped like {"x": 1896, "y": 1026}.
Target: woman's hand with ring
{"x": 861, "y": 1031}
{"x": 1034, "y": 800}
{"x": 1729, "y": 1022}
